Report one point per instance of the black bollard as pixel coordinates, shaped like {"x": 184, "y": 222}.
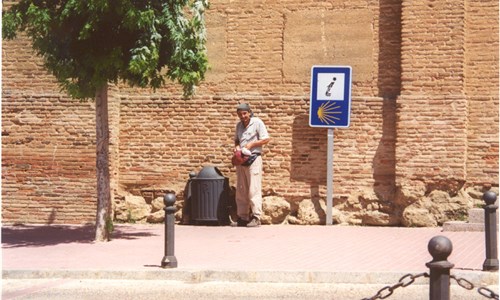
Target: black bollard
{"x": 169, "y": 260}
{"x": 490, "y": 230}
{"x": 440, "y": 248}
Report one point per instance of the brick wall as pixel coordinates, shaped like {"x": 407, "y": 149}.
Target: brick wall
{"x": 446, "y": 74}
{"x": 48, "y": 159}
{"x": 481, "y": 88}
{"x": 418, "y": 108}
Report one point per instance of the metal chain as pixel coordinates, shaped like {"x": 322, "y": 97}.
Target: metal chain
{"x": 404, "y": 281}
{"x": 486, "y": 292}
{"x": 490, "y": 295}
{"x": 463, "y": 282}
{"x": 408, "y": 279}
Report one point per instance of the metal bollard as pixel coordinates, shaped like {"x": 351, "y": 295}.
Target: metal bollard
{"x": 490, "y": 230}
{"x": 169, "y": 260}
{"x": 440, "y": 248}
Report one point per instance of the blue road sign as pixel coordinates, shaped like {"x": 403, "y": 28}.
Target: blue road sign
{"x": 330, "y": 103}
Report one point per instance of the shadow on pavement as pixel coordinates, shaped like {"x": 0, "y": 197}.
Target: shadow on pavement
{"x": 47, "y": 235}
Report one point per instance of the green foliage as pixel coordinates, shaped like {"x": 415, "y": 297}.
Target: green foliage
{"x": 87, "y": 43}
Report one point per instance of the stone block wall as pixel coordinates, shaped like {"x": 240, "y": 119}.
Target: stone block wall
{"x": 424, "y": 91}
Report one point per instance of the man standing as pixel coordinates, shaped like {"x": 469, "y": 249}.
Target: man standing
{"x": 251, "y": 134}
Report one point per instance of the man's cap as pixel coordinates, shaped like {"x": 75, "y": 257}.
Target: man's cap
{"x": 243, "y": 106}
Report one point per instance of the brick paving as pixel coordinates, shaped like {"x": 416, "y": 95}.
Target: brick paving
{"x": 276, "y": 248}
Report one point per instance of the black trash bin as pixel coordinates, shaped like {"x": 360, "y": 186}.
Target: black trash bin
{"x": 209, "y": 197}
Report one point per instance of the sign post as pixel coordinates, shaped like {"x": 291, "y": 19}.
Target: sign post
{"x": 330, "y": 107}
{"x": 329, "y": 178}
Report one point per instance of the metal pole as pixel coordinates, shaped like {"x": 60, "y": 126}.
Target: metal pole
{"x": 490, "y": 230}
{"x": 169, "y": 260}
{"x": 440, "y": 248}
{"x": 329, "y": 178}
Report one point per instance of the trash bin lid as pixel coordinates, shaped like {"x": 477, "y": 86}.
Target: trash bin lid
{"x": 210, "y": 172}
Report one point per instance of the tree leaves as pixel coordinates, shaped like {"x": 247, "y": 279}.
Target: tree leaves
{"x": 87, "y": 43}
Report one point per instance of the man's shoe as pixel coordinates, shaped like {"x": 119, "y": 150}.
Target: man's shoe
{"x": 239, "y": 223}
{"x": 254, "y": 223}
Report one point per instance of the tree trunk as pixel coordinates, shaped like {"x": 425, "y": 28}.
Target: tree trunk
{"x": 103, "y": 219}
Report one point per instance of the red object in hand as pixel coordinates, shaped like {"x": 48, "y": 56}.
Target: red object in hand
{"x": 239, "y": 158}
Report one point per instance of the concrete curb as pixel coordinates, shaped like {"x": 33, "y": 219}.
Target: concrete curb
{"x": 478, "y": 278}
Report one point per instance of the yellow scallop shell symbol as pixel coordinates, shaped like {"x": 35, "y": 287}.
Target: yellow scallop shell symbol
{"x": 327, "y": 111}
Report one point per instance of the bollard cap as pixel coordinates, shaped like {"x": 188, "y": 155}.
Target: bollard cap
{"x": 490, "y": 197}
{"x": 169, "y": 199}
{"x": 440, "y": 247}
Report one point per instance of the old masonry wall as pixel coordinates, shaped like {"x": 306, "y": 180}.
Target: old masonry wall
{"x": 421, "y": 148}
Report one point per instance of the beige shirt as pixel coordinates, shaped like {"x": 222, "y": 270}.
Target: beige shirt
{"x": 255, "y": 131}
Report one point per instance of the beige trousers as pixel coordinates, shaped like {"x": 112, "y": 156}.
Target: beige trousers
{"x": 249, "y": 190}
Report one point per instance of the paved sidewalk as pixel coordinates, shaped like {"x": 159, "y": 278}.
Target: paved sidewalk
{"x": 273, "y": 253}
{"x": 270, "y": 262}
